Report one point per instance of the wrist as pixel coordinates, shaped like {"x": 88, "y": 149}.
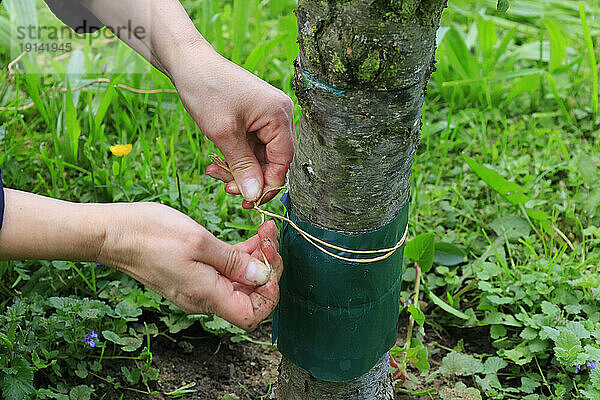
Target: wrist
{"x": 189, "y": 54}
{"x": 121, "y": 241}
{"x": 42, "y": 228}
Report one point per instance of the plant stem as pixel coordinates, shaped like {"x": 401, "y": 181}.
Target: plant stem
{"x": 411, "y": 320}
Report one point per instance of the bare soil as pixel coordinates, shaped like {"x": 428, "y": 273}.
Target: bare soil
{"x": 247, "y": 371}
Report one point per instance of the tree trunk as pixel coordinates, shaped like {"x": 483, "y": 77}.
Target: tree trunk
{"x": 360, "y": 78}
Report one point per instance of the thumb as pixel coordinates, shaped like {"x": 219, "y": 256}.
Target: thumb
{"x": 246, "y": 170}
{"x": 237, "y": 265}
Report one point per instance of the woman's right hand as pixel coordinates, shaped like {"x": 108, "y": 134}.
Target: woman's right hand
{"x": 179, "y": 259}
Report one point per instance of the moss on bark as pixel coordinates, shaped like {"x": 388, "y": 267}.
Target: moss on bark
{"x": 360, "y": 78}
{"x": 369, "y": 62}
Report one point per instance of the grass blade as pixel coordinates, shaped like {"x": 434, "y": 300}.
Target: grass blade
{"x": 592, "y": 57}
{"x": 72, "y": 129}
{"x": 241, "y": 14}
{"x": 558, "y": 43}
{"x": 443, "y": 305}
{"x": 509, "y": 190}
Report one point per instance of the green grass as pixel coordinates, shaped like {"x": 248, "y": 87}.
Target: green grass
{"x": 507, "y": 170}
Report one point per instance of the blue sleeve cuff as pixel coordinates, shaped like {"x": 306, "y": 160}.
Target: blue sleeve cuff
{"x": 1, "y": 201}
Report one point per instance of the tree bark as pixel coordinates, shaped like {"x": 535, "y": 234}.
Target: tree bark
{"x": 360, "y": 78}
{"x": 295, "y": 383}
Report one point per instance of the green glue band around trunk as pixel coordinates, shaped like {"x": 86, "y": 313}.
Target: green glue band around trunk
{"x": 336, "y": 318}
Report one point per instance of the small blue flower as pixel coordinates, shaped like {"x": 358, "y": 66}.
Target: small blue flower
{"x": 90, "y": 339}
{"x": 577, "y": 368}
{"x": 591, "y": 365}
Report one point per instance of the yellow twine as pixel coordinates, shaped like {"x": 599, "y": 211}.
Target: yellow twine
{"x": 310, "y": 238}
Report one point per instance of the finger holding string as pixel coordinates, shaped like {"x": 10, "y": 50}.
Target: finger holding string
{"x": 313, "y": 240}
{"x": 220, "y": 170}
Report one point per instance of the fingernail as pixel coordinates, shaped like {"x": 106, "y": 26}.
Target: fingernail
{"x": 232, "y": 187}
{"x": 257, "y": 272}
{"x": 251, "y": 189}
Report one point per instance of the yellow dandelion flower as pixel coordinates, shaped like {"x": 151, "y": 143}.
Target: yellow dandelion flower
{"x": 121, "y": 150}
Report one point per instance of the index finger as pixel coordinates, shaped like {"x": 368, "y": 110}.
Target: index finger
{"x": 280, "y": 146}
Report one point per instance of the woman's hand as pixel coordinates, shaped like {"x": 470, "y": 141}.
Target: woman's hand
{"x": 250, "y": 121}
{"x": 179, "y": 259}
{"x": 155, "y": 244}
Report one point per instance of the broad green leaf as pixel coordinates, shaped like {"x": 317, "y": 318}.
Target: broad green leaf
{"x": 590, "y": 393}
{"x": 497, "y": 331}
{"x": 460, "y": 365}
{"x": 550, "y": 309}
{"x": 538, "y": 346}
{"x": 5, "y": 34}
{"x": 128, "y": 311}
{"x": 527, "y": 84}
{"x": 177, "y": 322}
{"x": 420, "y": 249}
{"x": 460, "y": 392}
{"x": 511, "y": 226}
{"x": 126, "y": 343}
{"x": 81, "y": 392}
{"x": 549, "y": 332}
{"x": 595, "y": 378}
{"x": 132, "y": 375}
{"x": 567, "y": 339}
{"x": 33, "y": 84}
{"x": 18, "y": 383}
{"x": 489, "y": 383}
{"x": 493, "y": 365}
{"x": 577, "y": 329}
{"x": 22, "y": 13}
{"x": 417, "y": 314}
{"x": 529, "y": 333}
{"x": 459, "y": 55}
{"x": 528, "y": 385}
{"x": 589, "y": 169}
{"x": 111, "y": 336}
{"x": 116, "y": 169}
{"x": 568, "y": 347}
{"x": 495, "y": 299}
{"x": 519, "y": 355}
{"x": 498, "y": 318}
{"x": 448, "y": 254}
{"x": 131, "y": 343}
{"x": 418, "y": 355}
{"x": 509, "y": 190}
{"x": 219, "y": 325}
{"x": 593, "y": 353}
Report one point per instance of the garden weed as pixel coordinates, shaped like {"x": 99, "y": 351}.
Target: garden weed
{"x": 504, "y": 217}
